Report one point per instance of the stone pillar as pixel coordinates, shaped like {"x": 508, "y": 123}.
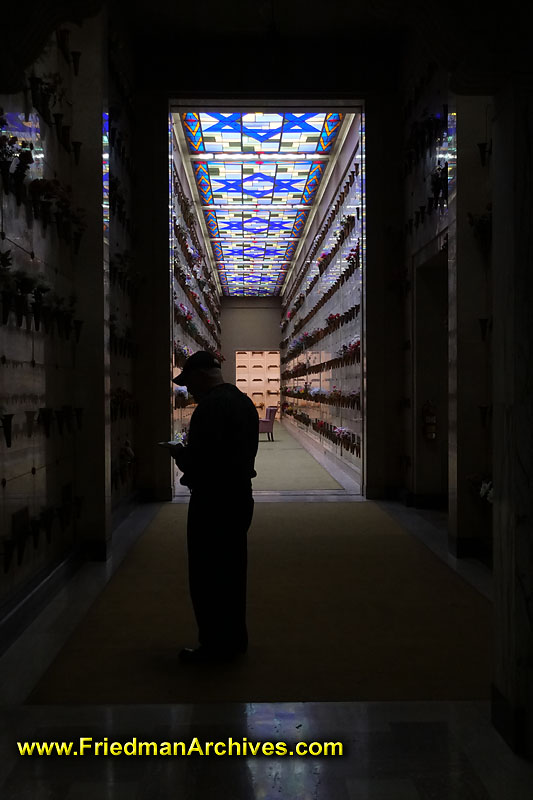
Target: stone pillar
{"x": 512, "y": 705}
{"x": 382, "y": 356}
{"x": 153, "y": 370}
{"x": 93, "y": 453}
{"x": 469, "y": 298}
{"x": 430, "y": 384}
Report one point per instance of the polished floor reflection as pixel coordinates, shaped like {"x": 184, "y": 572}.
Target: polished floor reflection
{"x": 392, "y": 751}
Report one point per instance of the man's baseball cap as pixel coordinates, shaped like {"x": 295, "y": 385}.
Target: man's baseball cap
{"x": 200, "y": 360}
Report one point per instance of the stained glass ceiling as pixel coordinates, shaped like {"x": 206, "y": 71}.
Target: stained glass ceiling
{"x": 257, "y": 176}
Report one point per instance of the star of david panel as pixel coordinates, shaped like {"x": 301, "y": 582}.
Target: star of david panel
{"x": 254, "y": 172}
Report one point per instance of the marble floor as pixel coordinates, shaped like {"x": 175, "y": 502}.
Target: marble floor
{"x": 392, "y": 751}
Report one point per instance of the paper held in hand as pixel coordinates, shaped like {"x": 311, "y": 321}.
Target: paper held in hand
{"x": 179, "y": 439}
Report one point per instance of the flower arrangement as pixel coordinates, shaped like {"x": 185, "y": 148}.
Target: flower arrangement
{"x": 297, "y": 391}
{"x": 121, "y": 271}
{"x": 8, "y": 151}
{"x": 182, "y": 349}
{"x": 353, "y": 348}
{"x": 186, "y": 312}
{"x": 308, "y": 339}
{"x": 338, "y": 435}
{"x": 184, "y": 316}
{"x": 181, "y": 397}
{"x": 46, "y": 92}
{"x": 482, "y": 487}
{"x": 335, "y": 395}
{"x": 317, "y": 394}
{"x": 323, "y": 261}
{"x": 354, "y": 399}
{"x": 325, "y": 297}
{"x": 294, "y": 372}
{"x": 302, "y": 417}
{"x": 353, "y": 257}
{"x": 205, "y": 312}
{"x": 30, "y": 295}
{"x": 299, "y": 343}
{"x": 297, "y": 305}
{"x": 50, "y": 196}
{"x": 18, "y": 151}
{"x": 439, "y": 184}
{"x": 487, "y": 491}
{"x": 187, "y": 210}
{"x": 181, "y": 232}
{"x": 347, "y": 220}
{"x": 181, "y": 353}
{"x": 341, "y": 433}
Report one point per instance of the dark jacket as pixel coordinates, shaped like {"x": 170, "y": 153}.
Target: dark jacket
{"x": 222, "y": 442}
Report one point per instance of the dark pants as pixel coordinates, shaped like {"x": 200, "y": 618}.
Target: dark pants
{"x": 217, "y": 527}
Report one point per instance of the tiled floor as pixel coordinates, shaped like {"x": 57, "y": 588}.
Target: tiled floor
{"x": 392, "y": 751}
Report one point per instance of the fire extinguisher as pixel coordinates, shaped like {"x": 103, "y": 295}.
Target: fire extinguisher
{"x": 429, "y": 421}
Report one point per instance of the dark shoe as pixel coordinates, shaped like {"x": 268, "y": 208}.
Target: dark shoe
{"x": 209, "y": 655}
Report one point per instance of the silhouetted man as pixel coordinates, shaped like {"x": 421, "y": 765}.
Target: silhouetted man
{"x": 218, "y": 465}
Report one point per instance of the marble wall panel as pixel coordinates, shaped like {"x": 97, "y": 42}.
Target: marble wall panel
{"x": 38, "y": 369}
{"x": 470, "y": 354}
{"x": 512, "y": 422}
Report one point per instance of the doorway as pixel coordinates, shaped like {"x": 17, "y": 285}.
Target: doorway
{"x": 267, "y": 204}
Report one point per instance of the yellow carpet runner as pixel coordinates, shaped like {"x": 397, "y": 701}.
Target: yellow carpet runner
{"x": 343, "y": 605}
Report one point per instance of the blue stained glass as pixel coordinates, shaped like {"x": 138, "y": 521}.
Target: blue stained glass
{"x": 105, "y": 174}
{"x": 249, "y": 200}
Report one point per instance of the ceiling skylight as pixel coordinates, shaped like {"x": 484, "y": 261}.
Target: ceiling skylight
{"x": 257, "y": 176}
